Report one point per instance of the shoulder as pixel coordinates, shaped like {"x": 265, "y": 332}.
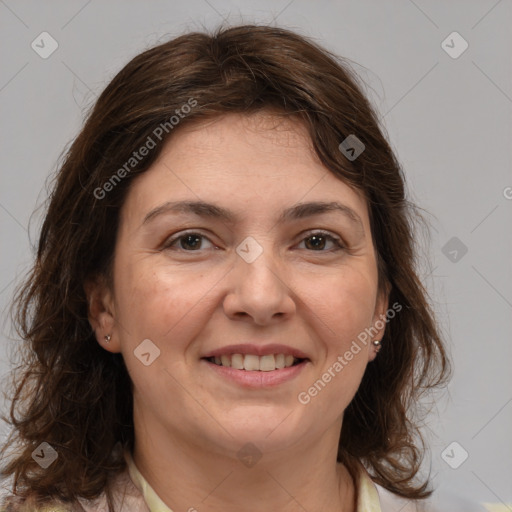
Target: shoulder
{"x": 18, "y": 504}
{"x": 390, "y": 502}
{"x": 441, "y": 501}
{"x": 373, "y": 497}
{"x": 126, "y": 496}
{"x": 10, "y": 502}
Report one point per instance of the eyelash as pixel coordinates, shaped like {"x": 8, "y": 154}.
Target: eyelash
{"x": 337, "y": 241}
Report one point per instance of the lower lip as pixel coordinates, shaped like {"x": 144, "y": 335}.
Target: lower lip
{"x": 257, "y": 379}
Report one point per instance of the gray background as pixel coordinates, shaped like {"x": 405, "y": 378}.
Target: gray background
{"x": 449, "y": 120}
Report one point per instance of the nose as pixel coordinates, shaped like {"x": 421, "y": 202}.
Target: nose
{"x": 258, "y": 291}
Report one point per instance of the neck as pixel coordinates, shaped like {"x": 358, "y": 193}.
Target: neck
{"x": 195, "y": 478}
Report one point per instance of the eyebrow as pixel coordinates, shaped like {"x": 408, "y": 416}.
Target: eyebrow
{"x": 296, "y": 212}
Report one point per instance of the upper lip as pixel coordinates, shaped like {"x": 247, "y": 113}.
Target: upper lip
{"x": 258, "y": 350}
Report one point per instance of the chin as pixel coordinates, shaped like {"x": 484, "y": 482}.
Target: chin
{"x": 271, "y": 428}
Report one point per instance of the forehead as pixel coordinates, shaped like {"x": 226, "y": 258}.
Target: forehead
{"x": 266, "y": 130}
{"x": 261, "y": 161}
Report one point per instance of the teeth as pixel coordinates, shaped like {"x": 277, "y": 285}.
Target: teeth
{"x": 251, "y": 362}
{"x": 267, "y": 363}
{"x": 237, "y": 361}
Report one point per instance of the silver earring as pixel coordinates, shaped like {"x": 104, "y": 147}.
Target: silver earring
{"x": 108, "y": 338}
{"x": 377, "y": 345}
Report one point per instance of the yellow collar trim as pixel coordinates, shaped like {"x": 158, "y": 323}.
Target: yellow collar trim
{"x": 368, "y": 497}
{"x": 153, "y": 501}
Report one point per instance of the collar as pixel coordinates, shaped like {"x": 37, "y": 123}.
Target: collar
{"x": 367, "y": 495}
{"x": 151, "y": 498}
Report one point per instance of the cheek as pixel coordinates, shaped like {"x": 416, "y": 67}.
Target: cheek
{"x": 163, "y": 306}
{"x": 340, "y": 312}
{"x": 343, "y": 305}
{"x": 160, "y": 303}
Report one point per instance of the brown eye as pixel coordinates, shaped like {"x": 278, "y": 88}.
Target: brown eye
{"x": 318, "y": 241}
{"x": 188, "y": 242}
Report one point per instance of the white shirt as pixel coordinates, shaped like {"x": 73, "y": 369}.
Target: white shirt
{"x": 132, "y": 493}
{"x": 368, "y": 497}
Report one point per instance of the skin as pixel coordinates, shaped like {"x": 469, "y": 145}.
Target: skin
{"x": 189, "y": 299}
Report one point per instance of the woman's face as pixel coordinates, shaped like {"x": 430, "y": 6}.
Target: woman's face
{"x": 239, "y": 250}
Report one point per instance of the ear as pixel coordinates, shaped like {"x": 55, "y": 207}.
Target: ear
{"x": 379, "y": 319}
{"x": 101, "y": 313}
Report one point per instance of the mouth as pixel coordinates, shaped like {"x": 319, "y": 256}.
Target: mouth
{"x": 255, "y": 363}
{"x": 257, "y": 366}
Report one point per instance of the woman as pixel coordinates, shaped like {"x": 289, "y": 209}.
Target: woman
{"x": 224, "y": 313}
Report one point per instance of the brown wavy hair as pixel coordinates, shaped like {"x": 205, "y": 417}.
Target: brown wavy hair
{"x": 76, "y": 396}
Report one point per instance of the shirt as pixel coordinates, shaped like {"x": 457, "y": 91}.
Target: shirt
{"x": 368, "y": 497}
{"x": 132, "y": 493}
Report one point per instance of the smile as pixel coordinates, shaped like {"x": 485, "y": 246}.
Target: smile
{"x": 253, "y": 362}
